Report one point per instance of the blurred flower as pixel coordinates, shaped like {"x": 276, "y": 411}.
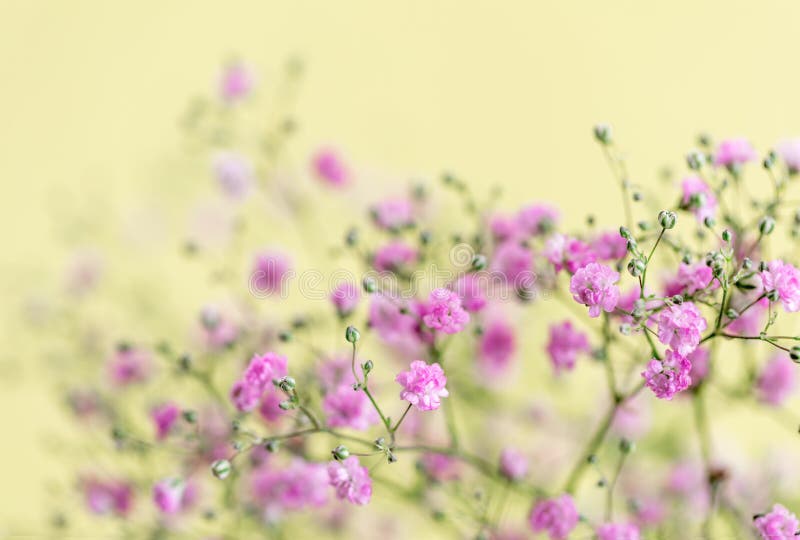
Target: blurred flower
{"x": 496, "y": 347}
{"x": 445, "y": 312}
{"x": 234, "y": 174}
{"x": 440, "y": 467}
{"x": 129, "y": 365}
{"x": 557, "y": 516}
{"x": 164, "y": 417}
{"x": 567, "y": 252}
{"x": 350, "y": 480}
{"x": 776, "y": 382}
{"x": 168, "y": 495}
{"x": 618, "y": 531}
{"x": 789, "y": 151}
{"x": 778, "y": 524}
{"x": 346, "y": 407}
{"x": 393, "y": 214}
{"x": 345, "y": 298}
{"x": 395, "y": 256}
{"x": 564, "y": 346}
{"x": 236, "y": 82}
{"x": 698, "y": 198}
{"x": 731, "y": 152}
{"x": 106, "y": 497}
{"x": 295, "y": 487}
{"x": 513, "y": 464}
{"x": 330, "y": 167}
{"x": 785, "y": 279}
{"x": 270, "y": 269}
{"x": 537, "y": 219}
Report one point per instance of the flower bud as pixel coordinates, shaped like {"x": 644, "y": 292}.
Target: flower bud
{"x": 766, "y": 225}
{"x": 769, "y": 160}
{"x": 794, "y": 354}
{"x": 643, "y": 225}
{"x": 340, "y": 452}
{"x": 367, "y": 366}
{"x": 677, "y": 299}
{"x": 352, "y": 237}
{"x": 352, "y": 335}
{"x": 425, "y": 237}
{"x": 773, "y": 295}
{"x": 632, "y": 246}
{"x": 726, "y": 235}
{"x": 189, "y": 416}
{"x": 602, "y": 133}
{"x": 369, "y": 285}
{"x": 287, "y": 383}
{"x": 732, "y": 314}
{"x": 221, "y": 468}
{"x": 285, "y": 336}
{"x": 709, "y": 222}
{"x": 747, "y": 263}
{"x": 392, "y": 458}
{"x": 272, "y": 446}
{"x": 695, "y": 160}
{"x": 479, "y": 262}
{"x": 626, "y": 446}
{"x": 185, "y": 362}
{"x": 667, "y": 219}
{"x": 763, "y": 266}
{"x": 625, "y": 233}
{"x": 625, "y": 329}
{"x": 285, "y": 405}
{"x": 636, "y": 267}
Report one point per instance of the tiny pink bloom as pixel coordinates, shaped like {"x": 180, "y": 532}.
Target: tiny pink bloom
{"x": 680, "y": 326}
{"x": 350, "y": 480}
{"x": 168, "y": 495}
{"x": 618, "y": 531}
{"x": 631, "y": 420}
{"x": 751, "y": 320}
{"x": 594, "y": 286}
{"x": 423, "y": 385}
{"x": 218, "y": 331}
{"x": 440, "y": 467}
{"x": 698, "y": 198}
{"x": 263, "y": 368}
{"x": 345, "y": 298}
{"x": 513, "y": 464}
{"x": 514, "y": 263}
{"x": 269, "y": 272}
{"x": 164, "y": 417}
{"x": 234, "y": 174}
{"x": 537, "y": 219}
{"x": 699, "y": 358}
{"x": 733, "y": 152}
{"x": 396, "y": 256}
{"x": 564, "y": 346}
{"x": 346, "y": 407}
{"x": 294, "y": 487}
{"x": 789, "y": 151}
{"x": 334, "y": 372}
{"x": 650, "y": 512}
{"x": 105, "y": 497}
{"x": 245, "y": 397}
{"x": 690, "y": 279}
{"x": 269, "y": 407}
{"x": 556, "y": 516}
{"x": 776, "y": 381}
{"x": 610, "y": 246}
{"x": 567, "y": 252}
{"x": 445, "y": 312}
{"x": 470, "y": 289}
{"x": 330, "y": 167}
{"x": 503, "y": 228}
{"x": 129, "y": 365}
{"x": 496, "y": 347}
{"x": 236, "y": 82}
{"x": 785, "y": 279}
{"x": 779, "y": 524}
{"x": 669, "y": 376}
{"x": 392, "y": 325}
{"x": 393, "y": 214}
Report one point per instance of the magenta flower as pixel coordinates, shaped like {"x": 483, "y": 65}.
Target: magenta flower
{"x": 334, "y": 372}
{"x": 330, "y": 167}
{"x": 346, "y": 407}
{"x": 699, "y": 358}
{"x": 345, "y": 298}
{"x": 698, "y": 198}
{"x": 690, "y": 279}
{"x": 295, "y": 487}
{"x": 392, "y": 325}
{"x": 513, "y": 464}
{"x": 270, "y": 270}
{"x": 164, "y": 417}
{"x": 496, "y": 347}
{"x": 445, "y": 312}
{"x": 470, "y": 289}
{"x": 609, "y": 246}
{"x": 235, "y": 83}
{"x": 789, "y": 151}
{"x": 567, "y": 252}
{"x": 680, "y": 327}
{"x": 423, "y": 385}
{"x": 514, "y": 263}
{"x": 269, "y": 406}
{"x": 129, "y": 365}
{"x": 751, "y": 320}
{"x": 618, "y": 531}
{"x": 393, "y": 214}
{"x": 776, "y": 381}
{"x": 504, "y": 228}
{"x": 440, "y": 467}
{"x": 734, "y": 152}
{"x": 779, "y": 524}
{"x": 669, "y": 376}
{"x": 168, "y": 495}
{"x": 594, "y": 286}
{"x": 555, "y": 516}
{"x": 245, "y": 397}
{"x": 537, "y": 219}
{"x": 350, "y": 480}
{"x": 785, "y": 279}
{"x": 234, "y": 174}
{"x": 262, "y": 369}
{"x": 396, "y": 256}
{"x": 108, "y": 497}
{"x": 564, "y": 346}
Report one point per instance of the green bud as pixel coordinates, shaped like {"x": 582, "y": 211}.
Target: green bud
{"x": 709, "y": 222}
{"x": 286, "y": 405}
{"x": 732, "y": 314}
{"x": 369, "y": 285}
{"x": 626, "y": 446}
{"x": 667, "y": 219}
{"x": 636, "y": 267}
{"x": 726, "y": 235}
{"x": 367, "y": 366}
{"x": 351, "y": 334}
{"x": 272, "y": 446}
{"x": 602, "y": 133}
{"x": 695, "y": 160}
{"x": 479, "y": 262}
{"x": 190, "y": 416}
{"x": 625, "y": 233}
{"x": 221, "y": 468}
{"x": 340, "y": 452}
{"x": 773, "y": 295}
{"x": 285, "y": 336}
{"x": 677, "y": 299}
{"x": 352, "y": 237}
{"x": 185, "y": 362}
{"x": 766, "y": 225}
{"x": 769, "y": 160}
{"x": 794, "y": 354}
{"x": 287, "y": 383}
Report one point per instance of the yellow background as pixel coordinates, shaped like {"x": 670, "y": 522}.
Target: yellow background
{"x": 498, "y": 91}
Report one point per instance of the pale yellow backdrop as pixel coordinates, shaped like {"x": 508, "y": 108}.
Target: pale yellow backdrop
{"x": 498, "y": 91}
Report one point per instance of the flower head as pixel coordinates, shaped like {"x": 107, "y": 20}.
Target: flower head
{"x": 779, "y": 524}
{"x": 294, "y": 487}
{"x": 789, "y": 150}
{"x": 345, "y": 298}
{"x": 445, "y": 312}
{"x": 680, "y": 326}
{"x": 234, "y": 174}
{"x": 330, "y": 167}
{"x": 393, "y": 214}
{"x": 514, "y": 263}
{"x": 733, "y": 152}
{"x": 350, "y": 480}
{"x": 395, "y": 257}
{"x": 537, "y": 219}
{"x": 698, "y": 197}
{"x": 785, "y": 279}
{"x": 168, "y": 495}
{"x": 496, "y": 347}
{"x": 345, "y": 407}
{"x": 567, "y": 252}
{"x": 610, "y": 246}
{"x": 235, "y": 83}
{"x": 104, "y": 497}
{"x": 129, "y": 365}
{"x": 669, "y": 376}
{"x": 690, "y": 279}
{"x": 164, "y": 417}
{"x": 269, "y": 271}
{"x": 556, "y": 516}
{"x": 513, "y": 464}
{"x": 471, "y": 291}
{"x": 565, "y": 344}
{"x": 776, "y": 381}
{"x": 423, "y": 385}
{"x": 440, "y": 467}
{"x": 594, "y": 285}
{"x": 618, "y": 531}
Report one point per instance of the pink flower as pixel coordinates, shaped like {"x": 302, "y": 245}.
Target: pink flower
{"x": 690, "y": 279}
{"x": 395, "y": 327}
{"x": 594, "y": 286}
{"x": 680, "y": 326}
{"x": 733, "y": 152}
{"x": 218, "y": 332}
{"x": 669, "y": 376}
{"x": 776, "y": 381}
{"x": 779, "y": 524}
{"x": 294, "y": 487}
{"x": 329, "y": 166}
{"x": 334, "y": 372}
{"x": 789, "y": 150}
{"x": 469, "y": 288}
{"x": 445, "y": 312}
{"x": 262, "y": 369}
{"x": 234, "y": 174}
{"x": 269, "y": 407}
{"x": 698, "y": 197}
{"x": 496, "y": 347}
{"x": 610, "y": 246}
{"x": 785, "y": 279}
{"x": 503, "y": 228}
{"x": 129, "y": 365}
{"x": 515, "y": 264}
{"x": 346, "y": 407}
{"x": 631, "y": 420}
{"x": 567, "y": 252}
{"x": 650, "y": 512}
{"x": 537, "y": 219}
{"x": 513, "y": 464}
{"x": 440, "y": 467}
{"x": 617, "y": 531}
{"x": 751, "y": 320}
{"x": 350, "y": 480}
{"x": 393, "y": 214}
{"x": 556, "y": 516}
{"x": 269, "y": 272}
{"x": 396, "y": 256}
{"x": 236, "y": 82}
{"x": 699, "y": 359}
{"x": 245, "y": 397}
{"x": 564, "y": 346}
{"x": 345, "y": 298}
{"x": 168, "y": 495}
{"x": 423, "y": 385}
{"x": 104, "y": 497}
{"x": 164, "y": 417}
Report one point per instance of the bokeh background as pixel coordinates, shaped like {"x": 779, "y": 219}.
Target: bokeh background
{"x": 501, "y": 92}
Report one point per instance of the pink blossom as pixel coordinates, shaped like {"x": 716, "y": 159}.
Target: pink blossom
{"x": 733, "y": 152}
{"x": 469, "y": 288}
{"x": 234, "y": 174}
{"x": 698, "y": 197}
{"x": 750, "y": 320}
{"x": 609, "y": 246}
{"x": 423, "y": 385}
{"x": 129, "y": 365}
{"x": 440, "y": 467}
{"x": 346, "y": 407}
{"x": 245, "y": 397}
{"x": 503, "y": 228}
{"x": 396, "y": 256}
{"x": 334, "y": 372}
{"x": 785, "y": 279}
{"x": 513, "y": 464}
{"x": 235, "y": 83}
{"x": 789, "y": 151}
{"x": 594, "y": 286}
{"x": 556, "y": 516}
{"x": 330, "y": 167}
{"x": 164, "y": 417}
{"x": 294, "y": 487}
{"x": 514, "y": 263}
{"x": 680, "y": 326}
{"x": 269, "y": 408}
{"x": 669, "y": 376}
{"x": 650, "y": 512}
{"x": 269, "y": 272}
{"x": 168, "y": 495}
{"x": 394, "y": 322}
{"x": 565, "y": 344}
{"x": 690, "y": 279}
{"x": 345, "y": 298}
{"x": 219, "y": 332}
{"x": 631, "y": 420}
{"x": 567, "y": 252}
{"x": 537, "y": 219}
{"x": 779, "y": 524}
{"x": 263, "y": 368}
{"x": 496, "y": 347}
{"x": 393, "y": 214}
{"x": 445, "y": 312}
{"x": 776, "y": 381}
{"x": 699, "y": 358}
{"x": 617, "y": 531}
{"x": 350, "y": 480}
{"x": 104, "y": 497}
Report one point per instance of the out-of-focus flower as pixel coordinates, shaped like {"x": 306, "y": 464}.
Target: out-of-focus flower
{"x": 733, "y": 152}
{"x": 445, "y": 312}
{"x": 690, "y": 279}
{"x": 129, "y": 365}
{"x": 295, "y": 487}
{"x": 618, "y": 531}
{"x": 567, "y": 252}
{"x": 680, "y": 327}
{"x": 778, "y": 524}
{"x": 565, "y": 344}
{"x": 699, "y": 358}
{"x": 609, "y": 246}
{"x": 537, "y": 219}
{"x": 257, "y": 377}
{"x": 496, "y": 347}
{"x": 235, "y": 83}
{"x": 776, "y": 381}
{"x": 789, "y": 151}
{"x": 345, "y": 407}
{"x": 594, "y": 286}
{"x": 423, "y": 385}
{"x": 469, "y": 288}
{"x": 513, "y": 464}
{"x": 556, "y": 516}
{"x": 440, "y": 467}
{"x": 698, "y": 198}
{"x": 269, "y": 406}
{"x": 350, "y": 480}
{"x": 395, "y": 256}
{"x": 107, "y": 497}
{"x": 270, "y": 269}
{"x": 514, "y": 263}
{"x": 234, "y": 174}
{"x": 393, "y": 214}
{"x": 783, "y": 278}
{"x": 503, "y": 228}
{"x": 218, "y": 330}
{"x": 669, "y": 376}
{"x": 168, "y": 495}
{"x": 164, "y": 417}
{"x": 330, "y": 167}
{"x": 345, "y": 298}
